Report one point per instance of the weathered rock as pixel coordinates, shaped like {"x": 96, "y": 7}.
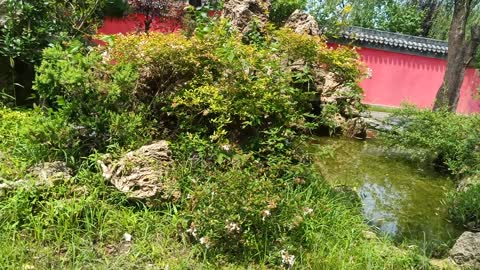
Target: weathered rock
{"x": 49, "y": 173}
{"x": 243, "y": 12}
{"x": 45, "y": 174}
{"x": 356, "y": 128}
{"x": 466, "y": 251}
{"x": 343, "y": 97}
{"x": 444, "y": 264}
{"x": 141, "y": 174}
{"x": 335, "y": 92}
{"x": 303, "y": 23}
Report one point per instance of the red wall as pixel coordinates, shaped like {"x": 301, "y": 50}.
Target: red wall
{"x": 135, "y": 23}
{"x": 398, "y": 78}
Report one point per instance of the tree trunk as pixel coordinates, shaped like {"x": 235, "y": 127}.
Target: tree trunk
{"x": 460, "y": 54}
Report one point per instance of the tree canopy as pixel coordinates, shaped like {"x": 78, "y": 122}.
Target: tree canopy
{"x": 428, "y": 18}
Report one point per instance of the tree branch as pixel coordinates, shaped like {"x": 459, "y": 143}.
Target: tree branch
{"x": 473, "y": 44}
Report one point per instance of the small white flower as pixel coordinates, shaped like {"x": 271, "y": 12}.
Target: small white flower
{"x": 127, "y": 237}
{"x": 205, "y": 241}
{"x": 287, "y": 259}
{"x": 265, "y": 214}
{"x": 307, "y": 211}
{"x": 193, "y": 231}
{"x": 226, "y": 147}
{"x": 232, "y": 227}
{"x": 189, "y": 196}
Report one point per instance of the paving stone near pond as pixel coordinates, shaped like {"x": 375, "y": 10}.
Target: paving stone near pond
{"x": 466, "y": 251}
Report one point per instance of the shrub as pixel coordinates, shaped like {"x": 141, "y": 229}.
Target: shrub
{"x": 162, "y": 85}
{"x": 29, "y": 137}
{"x": 464, "y": 207}
{"x": 240, "y": 208}
{"x": 450, "y": 138}
{"x": 93, "y": 95}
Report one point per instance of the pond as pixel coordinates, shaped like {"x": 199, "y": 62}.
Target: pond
{"x": 401, "y": 198}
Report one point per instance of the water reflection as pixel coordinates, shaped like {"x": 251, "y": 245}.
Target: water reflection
{"x": 401, "y": 199}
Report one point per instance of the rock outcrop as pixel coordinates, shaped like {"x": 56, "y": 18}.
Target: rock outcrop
{"x": 142, "y": 174}
{"x": 466, "y": 251}
{"x": 243, "y": 12}
{"x": 303, "y": 23}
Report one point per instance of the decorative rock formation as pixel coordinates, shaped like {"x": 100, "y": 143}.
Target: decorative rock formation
{"x": 141, "y": 174}
{"x": 242, "y": 12}
{"x": 466, "y": 251}
{"x": 336, "y": 93}
{"x": 303, "y": 23}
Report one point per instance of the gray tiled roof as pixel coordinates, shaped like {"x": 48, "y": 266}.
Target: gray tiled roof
{"x": 396, "y": 40}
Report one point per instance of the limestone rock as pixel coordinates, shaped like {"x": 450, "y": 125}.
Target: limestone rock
{"x": 466, "y": 251}
{"x": 334, "y": 92}
{"x": 242, "y": 12}
{"x": 303, "y": 23}
{"x": 141, "y": 174}
{"x": 45, "y": 174}
{"x": 49, "y": 173}
{"x": 444, "y": 264}
{"x": 356, "y": 128}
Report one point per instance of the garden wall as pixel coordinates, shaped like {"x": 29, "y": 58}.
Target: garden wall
{"x": 134, "y": 23}
{"x": 398, "y": 77}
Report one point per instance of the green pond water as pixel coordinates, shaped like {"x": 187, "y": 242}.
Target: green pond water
{"x": 401, "y": 198}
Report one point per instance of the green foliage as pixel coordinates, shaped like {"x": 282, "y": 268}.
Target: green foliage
{"x": 402, "y": 18}
{"x": 93, "y": 95}
{"x": 390, "y": 15}
{"x": 29, "y": 137}
{"x": 282, "y": 9}
{"x": 464, "y": 207}
{"x": 116, "y": 8}
{"x": 30, "y": 26}
{"x": 450, "y": 138}
{"x": 161, "y": 84}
